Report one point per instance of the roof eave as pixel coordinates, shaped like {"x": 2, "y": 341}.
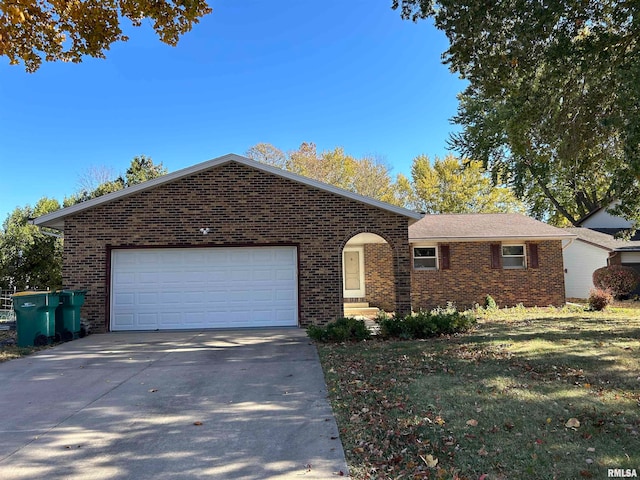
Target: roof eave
{"x": 531, "y": 238}
{"x": 56, "y": 219}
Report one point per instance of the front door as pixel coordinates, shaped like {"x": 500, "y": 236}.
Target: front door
{"x": 353, "y": 272}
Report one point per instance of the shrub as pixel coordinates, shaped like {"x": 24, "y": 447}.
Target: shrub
{"x": 490, "y": 303}
{"x": 599, "y": 299}
{"x": 426, "y": 324}
{"x": 342, "y": 330}
{"x": 618, "y": 279}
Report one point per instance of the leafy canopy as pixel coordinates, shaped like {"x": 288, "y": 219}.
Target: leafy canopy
{"x": 449, "y": 186}
{"x": 366, "y": 176}
{"x": 553, "y": 103}
{"x": 35, "y": 30}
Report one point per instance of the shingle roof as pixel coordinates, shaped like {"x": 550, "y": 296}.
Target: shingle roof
{"x": 603, "y": 240}
{"x": 482, "y": 227}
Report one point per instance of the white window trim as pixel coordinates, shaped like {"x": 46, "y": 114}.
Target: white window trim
{"x": 413, "y": 257}
{"x": 523, "y": 256}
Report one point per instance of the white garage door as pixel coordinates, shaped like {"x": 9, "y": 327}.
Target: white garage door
{"x": 187, "y": 288}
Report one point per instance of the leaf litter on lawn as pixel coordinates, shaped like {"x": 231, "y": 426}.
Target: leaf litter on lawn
{"x": 491, "y": 402}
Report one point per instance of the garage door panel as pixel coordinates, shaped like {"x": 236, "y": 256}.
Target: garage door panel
{"x": 203, "y": 288}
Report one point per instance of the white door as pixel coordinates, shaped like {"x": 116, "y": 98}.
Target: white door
{"x": 353, "y": 272}
{"x": 191, "y": 288}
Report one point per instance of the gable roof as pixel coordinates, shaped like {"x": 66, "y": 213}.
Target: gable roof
{"x": 604, "y": 240}
{"x": 56, "y": 219}
{"x": 469, "y": 227}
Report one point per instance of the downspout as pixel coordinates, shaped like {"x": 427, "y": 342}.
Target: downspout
{"x": 571, "y": 240}
{"x": 45, "y": 232}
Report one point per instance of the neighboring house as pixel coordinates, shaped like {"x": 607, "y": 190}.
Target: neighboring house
{"x": 596, "y": 247}
{"x": 235, "y": 243}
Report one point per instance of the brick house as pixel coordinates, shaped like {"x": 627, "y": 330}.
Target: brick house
{"x": 462, "y": 258}
{"x": 235, "y": 243}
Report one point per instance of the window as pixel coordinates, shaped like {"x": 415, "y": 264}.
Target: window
{"x": 425, "y": 258}
{"x": 513, "y": 256}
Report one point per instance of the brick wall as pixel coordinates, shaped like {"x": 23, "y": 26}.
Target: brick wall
{"x": 242, "y": 206}
{"x": 471, "y": 278}
{"x": 379, "y": 279}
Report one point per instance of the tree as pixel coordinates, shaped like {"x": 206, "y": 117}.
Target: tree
{"x": 141, "y": 169}
{"x": 33, "y": 30}
{"x": 366, "y": 176}
{"x": 29, "y": 259}
{"x": 451, "y": 186}
{"x": 553, "y": 96}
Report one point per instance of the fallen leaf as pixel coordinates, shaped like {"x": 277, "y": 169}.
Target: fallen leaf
{"x": 483, "y": 452}
{"x": 439, "y": 420}
{"x": 586, "y": 474}
{"x": 587, "y": 385}
{"x": 482, "y": 477}
{"x": 572, "y": 423}
{"x": 472, "y": 423}
{"x": 549, "y": 420}
{"x": 539, "y": 441}
{"x": 429, "y": 460}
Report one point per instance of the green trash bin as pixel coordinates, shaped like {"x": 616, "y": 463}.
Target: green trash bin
{"x": 68, "y": 314}
{"x": 35, "y": 317}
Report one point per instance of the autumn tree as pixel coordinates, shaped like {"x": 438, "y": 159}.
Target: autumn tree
{"x": 366, "y": 176}
{"x": 553, "y": 95}
{"x": 450, "y": 185}
{"x": 35, "y": 30}
{"x": 29, "y": 259}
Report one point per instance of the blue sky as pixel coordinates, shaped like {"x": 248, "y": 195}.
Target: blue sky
{"x": 336, "y": 73}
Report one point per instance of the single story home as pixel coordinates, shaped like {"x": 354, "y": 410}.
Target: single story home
{"x": 596, "y": 247}
{"x": 234, "y": 243}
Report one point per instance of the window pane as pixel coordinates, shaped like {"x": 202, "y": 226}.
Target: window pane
{"x": 424, "y": 263}
{"x": 512, "y": 250}
{"x": 424, "y": 252}
{"x": 513, "y": 262}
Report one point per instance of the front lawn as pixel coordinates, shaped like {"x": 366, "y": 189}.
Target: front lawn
{"x": 530, "y": 393}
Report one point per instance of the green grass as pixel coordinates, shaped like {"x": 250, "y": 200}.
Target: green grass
{"x": 495, "y": 401}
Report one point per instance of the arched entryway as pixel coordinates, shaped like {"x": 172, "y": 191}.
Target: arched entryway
{"x": 368, "y": 274}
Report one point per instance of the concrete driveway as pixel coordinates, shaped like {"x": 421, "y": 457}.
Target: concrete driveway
{"x": 248, "y": 404}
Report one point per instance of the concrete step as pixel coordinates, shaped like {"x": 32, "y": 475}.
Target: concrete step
{"x": 356, "y": 305}
{"x": 361, "y": 312}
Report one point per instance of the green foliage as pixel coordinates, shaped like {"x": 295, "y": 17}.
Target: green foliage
{"x": 141, "y": 169}
{"x": 426, "y": 324}
{"x": 32, "y": 30}
{"x": 553, "y": 95}
{"x": 451, "y": 185}
{"x": 617, "y": 279}
{"x": 599, "y": 299}
{"x": 29, "y": 259}
{"x": 490, "y": 303}
{"x": 342, "y": 330}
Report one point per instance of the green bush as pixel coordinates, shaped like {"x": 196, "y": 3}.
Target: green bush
{"x": 342, "y": 330}
{"x": 618, "y": 279}
{"x": 599, "y": 299}
{"x": 426, "y": 324}
{"x": 490, "y": 303}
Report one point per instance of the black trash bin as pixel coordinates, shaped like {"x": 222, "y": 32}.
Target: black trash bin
{"x": 35, "y": 317}
{"x": 67, "y": 323}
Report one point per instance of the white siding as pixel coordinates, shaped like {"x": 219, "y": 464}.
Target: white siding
{"x": 603, "y": 219}
{"x": 580, "y": 261}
